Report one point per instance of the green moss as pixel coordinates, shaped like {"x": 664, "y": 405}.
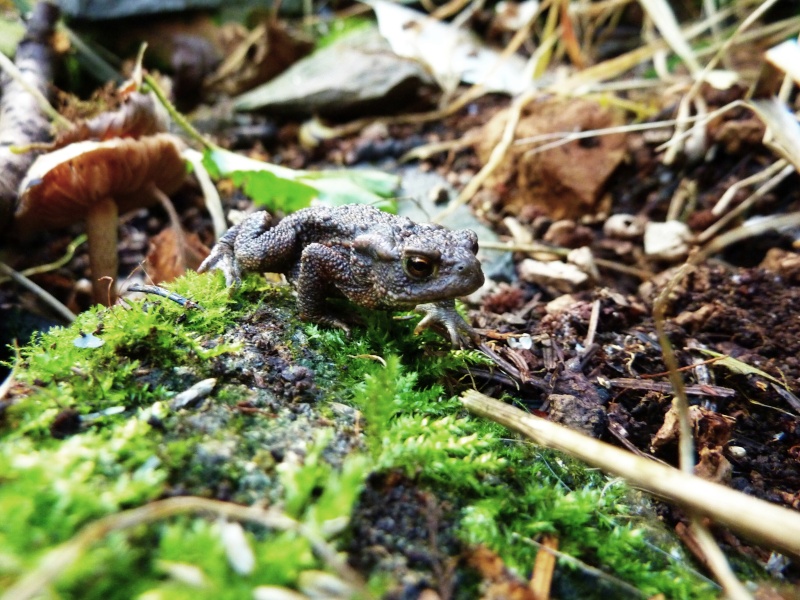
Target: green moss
{"x": 510, "y": 493}
{"x": 131, "y": 448}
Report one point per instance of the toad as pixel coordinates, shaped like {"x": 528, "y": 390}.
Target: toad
{"x": 370, "y": 257}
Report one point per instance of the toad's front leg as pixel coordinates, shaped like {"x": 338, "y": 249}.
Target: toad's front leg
{"x": 254, "y": 245}
{"x": 320, "y": 266}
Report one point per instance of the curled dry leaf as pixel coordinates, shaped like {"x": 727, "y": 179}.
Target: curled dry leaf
{"x": 140, "y": 115}
{"x": 167, "y": 259}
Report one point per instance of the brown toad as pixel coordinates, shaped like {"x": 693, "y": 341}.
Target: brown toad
{"x": 372, "y": 258}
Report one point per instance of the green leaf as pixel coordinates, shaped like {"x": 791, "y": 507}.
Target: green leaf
{"x": 287, "y": 190}
{"x": 272, "y": 192}
{"x": 738, "y": 367}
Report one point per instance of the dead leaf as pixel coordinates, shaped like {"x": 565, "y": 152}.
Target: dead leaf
{"x": 499, "y": 582}
{"x": 139, "y": 115}
{"x": 167, "y": 261}
{"x": 565, "y": 181}
{"x": 254, "y": 57}
{"x": 737, "y": 366}
{"x": 713, "y": 466}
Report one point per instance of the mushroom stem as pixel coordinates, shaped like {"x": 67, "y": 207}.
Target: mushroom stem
{"x": 101, "y": 230}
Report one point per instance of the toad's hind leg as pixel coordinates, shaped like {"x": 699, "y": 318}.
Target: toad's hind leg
{"x": 261, "y": 246}
{"x": 318, "y": 266}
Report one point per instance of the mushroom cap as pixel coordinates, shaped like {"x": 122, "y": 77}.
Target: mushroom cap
{"x": 62, "y": 186}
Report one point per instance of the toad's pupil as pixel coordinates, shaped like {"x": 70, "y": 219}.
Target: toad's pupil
{"x": 419, "y": 267}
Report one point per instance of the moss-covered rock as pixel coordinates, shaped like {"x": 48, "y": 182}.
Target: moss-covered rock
{"x": 359, "y": 443}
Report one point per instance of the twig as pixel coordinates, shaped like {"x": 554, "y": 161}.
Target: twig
{"x": 715, "y": 391}
{"x": 44, "y": 104}
{"x": 774, "y": 526}
{"x": 56, "y": 561}
{"x": 6, "y": 385}
{"x": 498, "y": 154}
{"x": 57, "y": 264}
{"x": 164, "y": 293}
{"x": 23, "y": 118}
{"x": 51, "y": 300}
{"x": 600, "y": 262}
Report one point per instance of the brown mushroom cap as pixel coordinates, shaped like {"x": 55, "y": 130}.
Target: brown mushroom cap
{"x": 62, "y": 186}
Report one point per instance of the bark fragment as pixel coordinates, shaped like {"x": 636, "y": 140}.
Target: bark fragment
{"x": 22, "y": 121}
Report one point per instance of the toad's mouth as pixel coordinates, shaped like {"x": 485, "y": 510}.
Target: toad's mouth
{"x": 462, "y": 280}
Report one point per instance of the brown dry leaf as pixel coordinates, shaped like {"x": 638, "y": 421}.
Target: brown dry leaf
{"x": 499, "y": 583}
{"x": 784, "y": 263}
{"x": 167, "y": 261}
{"x": 136, "y": 117}
{"x": 712, "y": 432}
{"x": 668, "y": 432}
{"x": 254, "y": 57}
{"x": 565, "y": 181}
{"x": 713, "y": 466}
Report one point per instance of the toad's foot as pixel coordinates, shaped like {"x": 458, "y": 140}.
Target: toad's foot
{"x": 442, "y": 316}
{"x": 326, "y": 319}
{"x": 223, "y": 258}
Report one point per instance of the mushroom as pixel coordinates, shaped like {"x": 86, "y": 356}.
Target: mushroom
{"x": 95, "y": 182}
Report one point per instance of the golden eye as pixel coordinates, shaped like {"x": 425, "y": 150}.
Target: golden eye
{"x": 418, "y": 267}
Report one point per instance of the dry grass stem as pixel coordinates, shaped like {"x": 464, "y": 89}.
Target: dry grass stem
{"x": 210, "y": 194}
{"x": 65, "y": 313}
{"x": 773, "y": 526}
{"x": 425, "y": 151}
{"x": 543, "y": 569}
{"x": 717, "y": 563}
{"x": 611, "y": 265}
{"x": 564, "y": 137}
{"x": 703, "y": 76}
{"x": 664, "y": 19}
{"x": 56, "y": 561}
{"x": 581, "y": 566}
{"x": 724, "y": 201}
{"x": 446, "y": 11}
{"x": 746, "y": 204}
{"x": 594, "y": 318}
{"x": 746, "y": 231}
{"x": 685, "y": 440}
{"x": 618, "y": 65}
{"x": 495, "y": 159}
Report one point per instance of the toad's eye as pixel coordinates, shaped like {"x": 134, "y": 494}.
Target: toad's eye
{"x": 418, "y": 267}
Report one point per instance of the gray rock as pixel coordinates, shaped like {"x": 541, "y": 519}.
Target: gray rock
{"x": 356, "y": 75}
{"x": 98, "y": 10}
